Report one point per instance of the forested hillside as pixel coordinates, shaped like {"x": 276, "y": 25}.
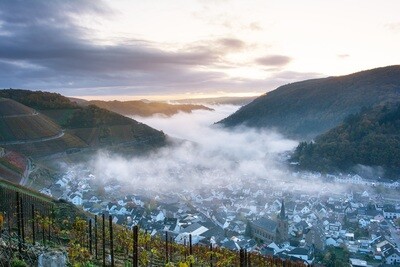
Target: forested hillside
{"x": 371, "y": 137}
{"x": 302, "y": 110}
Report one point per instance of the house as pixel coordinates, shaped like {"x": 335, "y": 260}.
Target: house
{"x": 302, "y": 208}
{"x": 315, "y": 236}
{"x": 76, "y": 199}
{"x": 358, "y": 263}
{"x": 306, "y": 254}
{"x": 94, "y": 199}
{"x": 195, "y": 230}
{"x": 331, "y": 242}
{"x": 390, "y": 212}
{"x": 392, "y": 256}
{"x": 363, "y": 222}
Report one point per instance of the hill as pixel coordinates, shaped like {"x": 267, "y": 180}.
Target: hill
{"x": 73, "y": 124}
{"x": 371, "y": 137}
{"x": 305, "y": 109}
{"x": 145, "y": 108}
{"x": 21, "y": 123}
{"x": 32, "y": 133}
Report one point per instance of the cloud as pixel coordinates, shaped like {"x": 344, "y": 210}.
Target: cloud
{"x": 47, "y": 49}
{"x": 211, "y": 157}
{"x": 393, "y": 26}
{"x": 255, "y": 26}
{"x": 43, "y": 46}
{"x": 232, "y": 44}
{"x": 274, "y": 60}
{"x": 343, "y": 56}
{"x": 291, "y": 76}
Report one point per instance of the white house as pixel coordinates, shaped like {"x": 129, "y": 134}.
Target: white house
{"x": 391, "y": 213}
{"x": 195, "y": 230}
{"x": 363, "y": 223}
{"x": 392, "y": 256}
{"x": 76, "y": 199}
{"x": 331, "y": 242}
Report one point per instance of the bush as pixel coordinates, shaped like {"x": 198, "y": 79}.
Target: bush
{"x": 18, "y": 263}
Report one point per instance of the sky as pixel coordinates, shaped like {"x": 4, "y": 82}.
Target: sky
{"x": 131, "y": 49}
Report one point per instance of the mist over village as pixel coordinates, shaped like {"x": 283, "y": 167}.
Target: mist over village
{"x": 196, "y": 133}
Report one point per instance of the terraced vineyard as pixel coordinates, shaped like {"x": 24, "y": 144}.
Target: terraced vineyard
{"x": 24, "y": 128}
{"x": 65, "y": 143}
{"x": 10, "y": 108}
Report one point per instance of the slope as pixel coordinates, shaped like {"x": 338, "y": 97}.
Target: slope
{"x": 95, "y": 126}
{"x": 31, "y": 133}
{"x": 308, "y": 108}
{"x": 372, "y": 137}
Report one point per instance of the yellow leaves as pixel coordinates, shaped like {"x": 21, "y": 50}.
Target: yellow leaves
{"x": 77, "y": 254}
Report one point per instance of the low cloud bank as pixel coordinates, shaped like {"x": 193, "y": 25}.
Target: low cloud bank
{"x": 208, "y": 157}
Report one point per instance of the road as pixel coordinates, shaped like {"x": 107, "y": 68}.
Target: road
{"x": 19, "y": 142}
{"x": 29, "y": 169}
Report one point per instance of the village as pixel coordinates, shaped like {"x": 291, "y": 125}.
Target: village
{"x": 286, "y": 221}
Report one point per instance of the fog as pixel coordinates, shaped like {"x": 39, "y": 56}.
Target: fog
{"x": 204, "y": 156}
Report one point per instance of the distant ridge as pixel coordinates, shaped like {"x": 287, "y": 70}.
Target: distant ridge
{"x": 228, "y": 100}
{"x": 145, "y": 108}
{"x": 305, "y": 109}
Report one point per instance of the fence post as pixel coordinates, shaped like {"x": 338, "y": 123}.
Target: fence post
{"x": 185, "y": 245}
{"x": 50, "y": 224}
{"x": 190, "y": 247}
{"x": 33, "y": 224}
{"x": 22, "y": 220}
{"x": 90, "y": 237}
{"x": 95, "y": 235}
{"x": 211, "y": 255}
{"x": 9, "y": 234}
{"x": 171, "y": 248}
{"x": 104, "y": 239}
{"x": 111, "y": 240}
{"x": 19, "y": 224}
{"x": 166, "y": 247}
{"x": 241, "y": 257}
{"x": 43, "y": 233}
{"x": 135, "y": 246}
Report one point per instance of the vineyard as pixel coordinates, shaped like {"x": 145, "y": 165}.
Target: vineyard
{"x": 14, "y": 161}
{"x": 27, "y": 128}
{"x": 32, "y": 225}
{"x": 48, "y": 147}
{"x": 9, "y": 107}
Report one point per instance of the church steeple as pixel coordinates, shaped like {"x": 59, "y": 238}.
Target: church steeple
{"x": 282, "y": 231}
{"x": 282, "y": 215}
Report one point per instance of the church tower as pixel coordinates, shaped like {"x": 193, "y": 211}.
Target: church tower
{"x": 283, "y": 227}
